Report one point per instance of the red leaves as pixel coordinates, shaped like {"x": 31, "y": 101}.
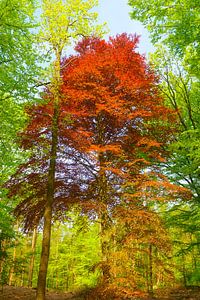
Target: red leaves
{"x": 114, "y": 94}
{"x": 110, "y": 125}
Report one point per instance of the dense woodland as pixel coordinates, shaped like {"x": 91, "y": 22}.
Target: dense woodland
{"x": 99, "y": 150}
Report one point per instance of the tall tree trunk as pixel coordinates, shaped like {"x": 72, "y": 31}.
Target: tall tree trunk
{"x": 104, "y": 246}
{"x": 41, "y": 286}
{"x": 1, "y": 273}
{"x": 150, "y": 270}
{"x": 114, "y": 260}
{"x": 31, "y": 266}
{"x": 104, "y": 225}
{"x": 2, "y": 261}
{"x": 57, "y": 277}
{"x": 184, "y": 271}
{"x": 22, "y": 277}
{"x": 55, "y": 91}
{"x": 11, "y": 273}
{"x": 103, "y": 196}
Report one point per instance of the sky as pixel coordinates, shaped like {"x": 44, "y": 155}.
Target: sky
{"x": 116, "y": 14}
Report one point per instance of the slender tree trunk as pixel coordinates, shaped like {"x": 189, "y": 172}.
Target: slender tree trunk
{"x": 22, "y": 277}
{"x": 104, "y": 223}
{"x": 103, "y": 200}
{"x": 56, "y": 255}
{"x": 55, "y": 90}
{"x": 114, "y": 252}
{"x": 150, "y": 270}
{"x": 2, "y": 261}
{"x": 104, "y": 227}
{"x": 11, "y": 273}
{"x": 184, "y": 271}
{"x": 1, "y": 273}
{"x": 41, "y": 286}
{"x": 48, "y": 214}
{"x": 31, "y": 266}
{"x": 104, "y": 247}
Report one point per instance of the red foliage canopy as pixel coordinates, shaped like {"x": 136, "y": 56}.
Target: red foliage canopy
{"x": 112, "y": 126}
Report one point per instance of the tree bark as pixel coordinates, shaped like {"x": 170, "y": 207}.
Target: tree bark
{"x": 150, "y": 270}
{"x": 103, "y": 196}
{"x": 2, "y": 261}
{"x": 31, "y": 266}
{"x": 104, "y": 246}
{"x": 55, "y": 91}
{"x": 11, "y": 273}
{"x": 41, "y": 286}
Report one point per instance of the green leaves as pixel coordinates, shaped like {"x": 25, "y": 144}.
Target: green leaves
{"x": 175, "y": 23}
{"x": 18, "y": 70}
{"x": 181, "y": 92}
{"x": 12, "y": 121}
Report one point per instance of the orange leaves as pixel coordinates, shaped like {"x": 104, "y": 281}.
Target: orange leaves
{"x": 148, "y": 143}
{"x": 140, "y": 113}
{"x": 140, "y": 161}
{"x": 114, "y": 93}
{"x": 116, "y": 149}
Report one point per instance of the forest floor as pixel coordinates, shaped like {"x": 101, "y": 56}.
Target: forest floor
{"x": 23, "y": 293}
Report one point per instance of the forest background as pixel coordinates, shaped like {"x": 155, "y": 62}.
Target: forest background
{"x": 124, "y": 217}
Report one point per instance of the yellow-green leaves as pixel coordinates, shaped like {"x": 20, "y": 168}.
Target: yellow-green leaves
{"x": 64, "y": 21}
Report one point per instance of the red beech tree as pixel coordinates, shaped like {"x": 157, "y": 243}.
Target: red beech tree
{"x": 111, "y": 121}
{"x": 111, "y": 129}
{"x": 125, "y": 127}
